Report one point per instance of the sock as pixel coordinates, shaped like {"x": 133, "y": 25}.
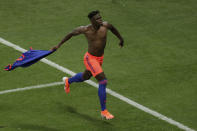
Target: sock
{"x": 102, "y": 93}
{"x": 77, "y": 78}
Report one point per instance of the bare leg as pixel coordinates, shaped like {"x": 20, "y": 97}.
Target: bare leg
{"x": 100, "y": 76}
{"x": 87, "y": 75}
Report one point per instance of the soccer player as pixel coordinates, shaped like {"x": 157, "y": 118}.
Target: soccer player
{"x": 96, "y": 35}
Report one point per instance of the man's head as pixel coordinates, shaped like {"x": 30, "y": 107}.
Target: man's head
{"x": 95, "y": 17}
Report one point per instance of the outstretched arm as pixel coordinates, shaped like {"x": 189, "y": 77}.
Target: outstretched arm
{"x": 75, "y": 32}
{"x": 116, "y": 33}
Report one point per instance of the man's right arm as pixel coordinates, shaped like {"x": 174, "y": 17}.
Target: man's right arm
{"x": 75, "y": 32}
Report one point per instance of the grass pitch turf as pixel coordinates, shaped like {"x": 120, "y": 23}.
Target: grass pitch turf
{"x": 156, "y": 68}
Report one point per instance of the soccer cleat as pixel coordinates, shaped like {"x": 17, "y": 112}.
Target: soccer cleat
{"x": 67, "y": 85}
{"x": 105, "y": 114}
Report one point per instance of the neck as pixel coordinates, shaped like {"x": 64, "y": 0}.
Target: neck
{"x": 96, "y": 27}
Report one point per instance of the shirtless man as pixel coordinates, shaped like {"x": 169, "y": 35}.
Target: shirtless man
{"x": 96, "y": 34}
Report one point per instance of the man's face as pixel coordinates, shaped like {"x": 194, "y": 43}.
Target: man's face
{"x": 97, "y": 19}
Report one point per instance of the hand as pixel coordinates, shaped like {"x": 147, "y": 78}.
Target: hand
{"x": 121, "y": 43}
{"x": 54, "y": 48}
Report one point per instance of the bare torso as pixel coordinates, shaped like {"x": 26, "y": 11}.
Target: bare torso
{"x": 96, "y": 39}
{"x": 96, "y": 34}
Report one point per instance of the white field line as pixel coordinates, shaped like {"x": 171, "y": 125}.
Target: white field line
{"x": 109, "y": 91}
{"x": 31, "y": 87}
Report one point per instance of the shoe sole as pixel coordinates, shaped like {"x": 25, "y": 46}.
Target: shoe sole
{"x": 103, "y": 117}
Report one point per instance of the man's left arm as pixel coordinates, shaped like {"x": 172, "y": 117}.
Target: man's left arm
{"x": 116, "y": 33}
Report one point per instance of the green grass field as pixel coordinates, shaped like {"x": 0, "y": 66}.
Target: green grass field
{"x": 156, "y": 68}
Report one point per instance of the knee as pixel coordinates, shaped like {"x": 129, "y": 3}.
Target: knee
{"x": 101, "y": 77}
{"x": 86, "y": 76}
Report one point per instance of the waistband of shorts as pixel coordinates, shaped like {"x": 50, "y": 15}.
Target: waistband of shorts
{"x": 97, "y": 57}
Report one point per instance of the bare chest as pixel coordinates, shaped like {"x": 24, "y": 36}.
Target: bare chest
{"x": 96, "y": 35}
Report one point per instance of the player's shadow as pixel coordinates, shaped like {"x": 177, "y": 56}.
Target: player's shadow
{"x": 95, "y": 121}
{"x": 3, "y": 126}
{"x": 34, "y": 127}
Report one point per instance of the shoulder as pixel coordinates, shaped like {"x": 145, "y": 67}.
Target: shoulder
{"x": 82, "y": 28}
{"x": 107, "y": 25}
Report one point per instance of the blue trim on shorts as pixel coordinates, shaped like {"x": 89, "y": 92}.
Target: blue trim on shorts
{"x": 87, "y": 59}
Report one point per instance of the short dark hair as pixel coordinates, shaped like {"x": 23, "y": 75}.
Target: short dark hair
{"x": 93, "y": 13}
